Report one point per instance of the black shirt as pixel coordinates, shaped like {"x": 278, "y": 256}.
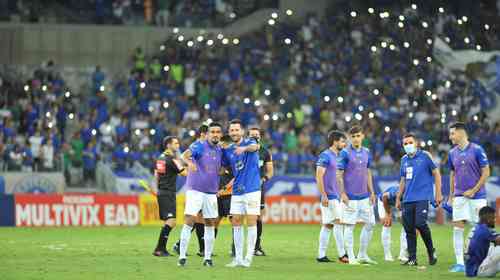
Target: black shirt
{"x": 264, "y": 157}
{"x": 166, "y": 170}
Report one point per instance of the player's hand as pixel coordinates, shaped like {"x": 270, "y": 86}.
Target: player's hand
{"x": 372, "y": 199}
{"x": 439, "y": 198}
{"x": 240, "y": 150}
{"x": 387, "y": 222}
{"x": 398, "y": 203}
{"x": 192, "y": 166}
{"x": 324, "y": 200}
{"x": 344, "y": 198}
{"x": 450, "y": 201}
{"x": 469, "y": 193}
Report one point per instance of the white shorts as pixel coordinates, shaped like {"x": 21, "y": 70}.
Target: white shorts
{"x": 245, "y": 204}
{"x": 467, "y": 209}
{"x": 381, "y": 210}
{"x": 358, "y": 211}
{"x": 206, "y": 202}
{"x": 491, "y": 264}
{"x": 331, "y": 213}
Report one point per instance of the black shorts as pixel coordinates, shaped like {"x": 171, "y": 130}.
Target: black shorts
{"x": 167, "y": 205}
{"x": 224, "y": 204}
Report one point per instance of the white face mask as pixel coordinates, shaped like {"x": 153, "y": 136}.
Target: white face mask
{"x": 410, "y": 148}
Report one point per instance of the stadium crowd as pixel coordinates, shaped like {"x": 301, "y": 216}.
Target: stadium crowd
{"x": 186, "y": 13}
{"x": 296, "y": 80}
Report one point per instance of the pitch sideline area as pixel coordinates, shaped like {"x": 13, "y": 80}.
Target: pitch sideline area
{"x": 125, "y": 253}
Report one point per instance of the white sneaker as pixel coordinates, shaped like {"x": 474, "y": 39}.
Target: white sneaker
{"x": 353, "y": 262}
{"x": 389, "y": 258}
{"x": 366, "y": 260}
{"x": 246, "y": 263}
{"x": 234, "y": 263}
{"x": 403, "y": 257}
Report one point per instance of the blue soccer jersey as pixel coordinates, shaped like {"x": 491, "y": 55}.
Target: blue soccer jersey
{"x": 478, "y": 248}
{"x": 417, "y": 174}
{"x": 392, "y": 194}
{"x": 328, "y": 160}
{"x": 245, "y": 168}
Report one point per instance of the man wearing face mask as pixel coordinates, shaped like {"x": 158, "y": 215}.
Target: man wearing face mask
{"x": 418, "y": 174}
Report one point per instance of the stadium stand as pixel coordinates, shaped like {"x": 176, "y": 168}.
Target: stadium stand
{"x": 296, "y": 79}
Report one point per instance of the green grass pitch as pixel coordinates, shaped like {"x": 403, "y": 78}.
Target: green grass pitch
{"x": 125, "y": 253}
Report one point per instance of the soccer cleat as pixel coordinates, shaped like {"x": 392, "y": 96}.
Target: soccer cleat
{"x": 177, "y": 247}
{"x": 433, "y": 257}
{"x": 246, "y": 263}
{"x": 410, "y": 263}
{"x": 181, "y": 262}
{"x": 344, "y": 259}
{"x": 457, "y": 268}
{"x": 234, "y": 263}
{"x": 161, "y": 253}
{"x": 403, "y": 257}
{"x": 200, "y": 254}
{"x": 354, "y": 262}
{"x": 388, "y": 258}
{"x": 259, "y": 252}
{"x": 366, "y": 260}
{"x": 208, "y": 263}
{"x": 324, "y": 259}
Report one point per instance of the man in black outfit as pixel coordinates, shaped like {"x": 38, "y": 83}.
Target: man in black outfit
{"x": 167, "y": 167}
{"x": 266, "y": 172}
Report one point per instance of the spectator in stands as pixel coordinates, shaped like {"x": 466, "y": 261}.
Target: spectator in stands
{"x": 27, "y": 158}
{"x": 163, "y": 12}
{"x": 98, "y": 78}
{"x": 47, "y": 155}
{"x": 89, "y": 162}
{"x": 36, "y": 144}
{"x": 76, "y": 151}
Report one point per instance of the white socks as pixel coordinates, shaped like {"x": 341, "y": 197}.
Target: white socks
{"x": 209, "y": 237}
{"x": 324, "y": 239}
{"x": 251, "y": 238}
{"x": 386, "y": 240}
{"x": 349, "y": 241}
{"x": 185, "y": 236}
{"x": 458, "y": 244}
{"x": 403, "y": 245}
{"x": 238, "y": 243}
{"x": 364, "y": 240}
{"x": 338, "y": 233}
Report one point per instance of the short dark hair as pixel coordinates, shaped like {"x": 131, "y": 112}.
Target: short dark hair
{"x": 355, "y": 129}
{"x": 409, "y": 134}
{"x": 203, "y": 129}
{"x": 486, "y": 210}
{"x": 215, "y": 124}
{"x": 254, "y": 127}
{"x": 458, "y": 125}
{"x": 235, "y": 121}
{"x": 168, "y": 140}
{"x": 335, "y": 135}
